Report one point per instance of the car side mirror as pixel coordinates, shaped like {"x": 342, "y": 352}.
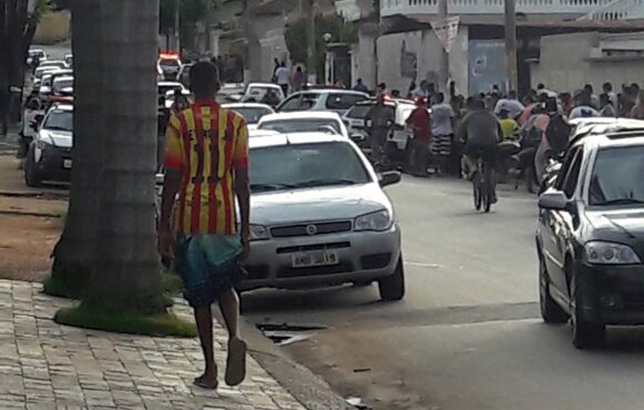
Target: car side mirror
{"x": 554, "y": 200}
{"x": 357, "y": 137}
{"x": 389, "y": 178}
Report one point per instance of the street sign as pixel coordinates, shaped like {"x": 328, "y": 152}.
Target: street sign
{"x": 446, "y": 30}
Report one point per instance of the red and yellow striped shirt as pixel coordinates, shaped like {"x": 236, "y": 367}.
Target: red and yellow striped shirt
{"x": 206, "y": 143}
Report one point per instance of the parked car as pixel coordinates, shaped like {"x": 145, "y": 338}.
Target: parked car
{"x": 315, "y": 225}
{"x": 40, "y": 72}
{"x": 52, "y": 63}
{"x": 230, "y": 93}
{"x": 257, "y": 91}
{"x": 42, "y": 56}
{"x": 48, "y": 80}
{"x": 252, "y": 112}
{"x": 304, "y": 122}
{"x": 590, "y": 237}
{"x": 322, "y": 100}
{"x": 63, "y": 86}
{"x": 49, "y": 157}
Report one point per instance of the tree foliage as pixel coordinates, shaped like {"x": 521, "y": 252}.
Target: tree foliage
{"x": 297, "y": 37}
{"x": 191, "y": 12}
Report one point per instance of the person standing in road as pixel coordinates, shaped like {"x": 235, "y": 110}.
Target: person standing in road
{"x": 379, "y": 119}
{"x": 206, "y": 164}
{"x": 360, "y": 86}
{"x": 283, "y": 77}
{"x": 607, "y": 108}
{"x": 442, "y": 132}
{"x": 638, "y": 110}
{"x": 612, "y": 96}
{"x": 298, "y": 79}
{"x": 419, "y": 121}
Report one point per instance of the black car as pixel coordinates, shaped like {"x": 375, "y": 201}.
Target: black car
{"x": 590, "y": 237}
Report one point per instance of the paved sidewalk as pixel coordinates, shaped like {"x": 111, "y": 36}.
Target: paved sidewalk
{"x": 47, "y": 366}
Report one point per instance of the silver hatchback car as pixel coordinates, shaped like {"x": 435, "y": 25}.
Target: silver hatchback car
{"x": 319, "y": 217}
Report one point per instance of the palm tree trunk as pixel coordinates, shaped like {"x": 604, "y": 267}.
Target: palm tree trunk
{"x": 73, "y": 254}
{"x": 126, "y": 273}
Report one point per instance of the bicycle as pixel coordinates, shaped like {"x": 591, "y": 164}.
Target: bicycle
{"x": 482, "y": 186}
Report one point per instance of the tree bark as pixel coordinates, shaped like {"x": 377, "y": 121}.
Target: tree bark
{"x": 73, "y": 254}
{"x": 126, "y": 273}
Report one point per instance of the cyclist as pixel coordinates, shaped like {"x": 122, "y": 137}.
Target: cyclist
{"x": 480, "y": 133}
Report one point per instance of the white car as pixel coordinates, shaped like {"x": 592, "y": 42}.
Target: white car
{"x": 333, "y": 99}
{"x": 252, "y": 112}
{"x": 315, "y": 225}
{"x": 53, "y": 63}
{"x": 257, "y": 91}
{"x": 50, "y": 154}
{"x": 63, "y": 85}
{"x": 305, "y": 121}
{"x": 42, "y": 56}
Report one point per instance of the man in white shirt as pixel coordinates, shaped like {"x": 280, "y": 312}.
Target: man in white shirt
{"x": 283, "y": 76}
{"x": 510, "y": 104}
{"x": 583, "y": 106}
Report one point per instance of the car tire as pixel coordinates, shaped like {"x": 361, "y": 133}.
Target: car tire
{"x": 551, "y": 312}
{"x": 392, "y": 287}
{"x": 32, "y": 177}
{"x": 585, "y": 333}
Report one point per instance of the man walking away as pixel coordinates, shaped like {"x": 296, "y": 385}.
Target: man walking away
{"x": 612, "y": 96}
{"x": 283, "y": 77}
{"x": 607, "y": 108}
{"x": 419, "y": 121}
{"x": 442, "y": 132}
{"x": 378, "y": 119}
{"x": 206, "y": 164}
{"x": 481, "y": 134}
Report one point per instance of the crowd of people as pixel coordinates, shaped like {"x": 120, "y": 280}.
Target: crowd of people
{"x": 536, "y": 126}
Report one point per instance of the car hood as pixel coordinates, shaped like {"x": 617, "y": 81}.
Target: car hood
{"x": 624, "y": 225}
{"x": 317, "y": 204}
{"x": 61, "y": 139}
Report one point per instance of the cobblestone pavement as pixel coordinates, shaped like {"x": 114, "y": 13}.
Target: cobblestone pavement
{"x": 47, "y": 366}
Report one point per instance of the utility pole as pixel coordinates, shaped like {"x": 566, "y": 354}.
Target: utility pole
{"x": 312, "y": 69}
{"x": 177, "y": 23}
{"x": 443, "y": 74}
{"x": 511, "y": 44}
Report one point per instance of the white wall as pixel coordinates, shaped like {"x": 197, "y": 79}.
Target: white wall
{"x": 428, "y": 49}
{"x": 576, "y": 69}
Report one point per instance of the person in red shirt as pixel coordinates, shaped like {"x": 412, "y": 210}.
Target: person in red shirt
{"x": 420, "y": 123}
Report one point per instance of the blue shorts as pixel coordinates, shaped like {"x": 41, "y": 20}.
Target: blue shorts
{"x": 208, "y": 264}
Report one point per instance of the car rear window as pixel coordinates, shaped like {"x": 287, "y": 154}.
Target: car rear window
{"x": 301, "y": 125}
{"x": 358, "y": 111}
{"x": 343, "y": 101}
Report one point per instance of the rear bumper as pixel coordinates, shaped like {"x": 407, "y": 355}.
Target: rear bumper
{"x": 362, "y": 256}
{"x": 613, "y": 295}
{"x": 50, "y": 165}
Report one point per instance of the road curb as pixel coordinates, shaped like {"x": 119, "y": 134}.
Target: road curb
{"x": 309, "y": 389}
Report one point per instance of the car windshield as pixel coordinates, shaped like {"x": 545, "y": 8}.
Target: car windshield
{"x": 169, "y": 62}
{"x": 617, "y": 177}
{"x": 252, "y": 114}
{"x": 305, "y": 165}
{"x": 59, "y": 120}
{"x": 301, "y": 125}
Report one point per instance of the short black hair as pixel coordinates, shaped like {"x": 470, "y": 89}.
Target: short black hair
{"x": 608, "y": 86}
{"x": 440, "y": 98}
{"x": 204, "y": 79}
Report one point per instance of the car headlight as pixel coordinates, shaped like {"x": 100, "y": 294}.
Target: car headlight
{"x": 258, "y": 233}
{"x": 610, "y": 253}
{"x": 375, "y": 221}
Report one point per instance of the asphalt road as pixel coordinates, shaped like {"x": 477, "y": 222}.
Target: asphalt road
{"x": 468, "y": 334}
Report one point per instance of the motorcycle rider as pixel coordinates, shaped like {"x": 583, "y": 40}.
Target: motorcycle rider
{"x": 379, "y": 119}
{"x": 481, "y": 133}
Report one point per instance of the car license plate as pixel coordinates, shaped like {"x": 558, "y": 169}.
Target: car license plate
{"x": 67, "y": 163}
{"x": 315, "y": 258}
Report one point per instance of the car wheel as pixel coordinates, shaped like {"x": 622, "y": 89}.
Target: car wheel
{"x": 551, "y": 312}
{"x": 585, "y": 333}
{"x": 32, "y": 179}
{"x": 392, "y": 287}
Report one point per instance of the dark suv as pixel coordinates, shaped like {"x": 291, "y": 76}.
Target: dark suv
{"x": 590, "y": 237}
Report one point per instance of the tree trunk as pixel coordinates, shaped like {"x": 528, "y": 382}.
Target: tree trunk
{"x": 73, "y": 254}
{"x": 126, "y": 273}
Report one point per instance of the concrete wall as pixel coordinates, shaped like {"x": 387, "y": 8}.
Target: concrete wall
{"x": 426, "y": 47}
{"x": 364, "y": 60}
{"x": 53, "y": 27}
{"x": 576, "y": 69}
